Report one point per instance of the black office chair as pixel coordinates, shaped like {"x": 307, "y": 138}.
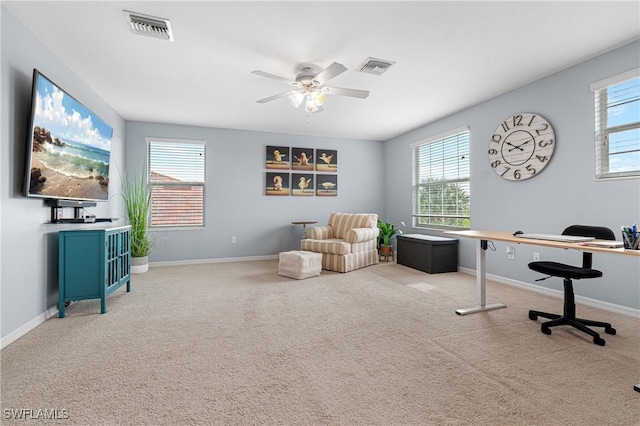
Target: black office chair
{"x": 568, "y": 272}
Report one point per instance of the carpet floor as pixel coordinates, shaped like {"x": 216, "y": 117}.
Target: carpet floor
{"x": 234, "y": 343}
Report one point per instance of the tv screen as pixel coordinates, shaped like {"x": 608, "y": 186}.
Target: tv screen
{"x": 69, "y": 147}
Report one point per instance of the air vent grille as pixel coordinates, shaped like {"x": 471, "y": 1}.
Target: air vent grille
{"x": 149, "y": 26}
{"x": 375, "y": 66}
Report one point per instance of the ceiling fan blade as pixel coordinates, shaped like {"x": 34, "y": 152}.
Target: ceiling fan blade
{"x": 329, "y": 72}
{"x": 274, "y": 77}
{"x": 274, "y": 97}
{"x": 339, "y": 91}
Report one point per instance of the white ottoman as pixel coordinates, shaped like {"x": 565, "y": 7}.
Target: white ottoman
{"x": 300, "y": 264}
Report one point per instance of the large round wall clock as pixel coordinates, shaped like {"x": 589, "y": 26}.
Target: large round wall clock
{"x": 521, "y": 146}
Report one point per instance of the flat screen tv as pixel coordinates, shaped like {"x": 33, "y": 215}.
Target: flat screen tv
{"x": 69, "y": 147}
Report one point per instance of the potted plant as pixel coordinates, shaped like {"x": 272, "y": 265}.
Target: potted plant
{"x": 137, "y": 202}
{"x": 387, "y": 230}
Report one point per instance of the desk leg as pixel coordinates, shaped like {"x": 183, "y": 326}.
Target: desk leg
{"x": 481, "y": 283}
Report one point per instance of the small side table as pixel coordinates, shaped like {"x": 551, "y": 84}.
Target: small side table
{"x": 304, "y": 224}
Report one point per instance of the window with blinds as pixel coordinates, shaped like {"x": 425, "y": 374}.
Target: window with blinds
{"x": 440, "y": 184}
{"x": 176, "y": 175}
{"x": 617, "y": 102}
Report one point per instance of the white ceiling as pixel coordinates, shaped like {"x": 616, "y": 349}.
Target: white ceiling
{"x": 449, "y": 56}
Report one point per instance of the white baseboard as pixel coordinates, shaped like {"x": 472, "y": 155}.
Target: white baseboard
{"x": 220, "y": 260}
{"x": 611, "y": 307}
{"x": 24, "y": 329}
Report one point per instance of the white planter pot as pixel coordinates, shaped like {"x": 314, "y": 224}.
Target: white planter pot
{"x": 139, "y": 265}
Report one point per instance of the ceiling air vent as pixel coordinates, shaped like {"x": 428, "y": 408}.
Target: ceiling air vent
{"x": 375, "y": 66}
{"x": 149, "y": 25}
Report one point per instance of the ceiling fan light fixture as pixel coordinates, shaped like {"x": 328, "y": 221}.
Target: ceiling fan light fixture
{"x": 310, "y": 106}
{"x": 319, "y": 98}
{"x": 295, "y": 98}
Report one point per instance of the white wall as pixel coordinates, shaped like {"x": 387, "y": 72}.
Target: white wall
{"x": 28, "y": 245}
{"x": 235, "y": 200}
{"x": 564, "y": 193}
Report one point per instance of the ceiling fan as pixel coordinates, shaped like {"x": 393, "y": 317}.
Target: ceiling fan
{"x": 311, "y": 87}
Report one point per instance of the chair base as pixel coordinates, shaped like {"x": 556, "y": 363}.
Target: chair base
{"x": 569, "y": 318}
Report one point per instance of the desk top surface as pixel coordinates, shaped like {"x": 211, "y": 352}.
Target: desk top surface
{"x": 509, "y": 237}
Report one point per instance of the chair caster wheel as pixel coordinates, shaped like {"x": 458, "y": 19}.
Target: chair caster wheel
{"x": 546, "y": 330}
{"x": 533, "y": 316}
{"x": 610, "y": 330}
{"x": 598, "y": 341}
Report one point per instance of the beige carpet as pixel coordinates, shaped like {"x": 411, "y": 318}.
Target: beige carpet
{"x": 237, "y": 344}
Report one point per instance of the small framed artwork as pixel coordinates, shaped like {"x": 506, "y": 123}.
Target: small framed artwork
{"x": 278, "y": 157}
{"x": 277, "y": 184}
{"x": 326, "y": 185}
{"x": 302, "y": 159}
{"x": 326, "y": 160}
{"x": 302, "y": 184}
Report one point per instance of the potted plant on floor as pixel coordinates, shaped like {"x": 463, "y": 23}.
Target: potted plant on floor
{"x": 387, "y": 230}
{"x": 137, "y": 202}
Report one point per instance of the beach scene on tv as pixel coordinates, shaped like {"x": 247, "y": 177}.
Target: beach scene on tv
{"x": 71, "y": 147}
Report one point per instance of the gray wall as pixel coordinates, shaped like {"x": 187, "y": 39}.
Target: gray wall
{"x": 28, "y": 250}
{"x": 235, "y": 200}
{"x": 564, "y": 193}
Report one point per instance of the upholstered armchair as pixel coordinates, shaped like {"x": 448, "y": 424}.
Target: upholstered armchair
{"x": 347, "y": 242}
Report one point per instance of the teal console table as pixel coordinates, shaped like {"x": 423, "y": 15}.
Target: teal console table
{"x": 92, "y": 264}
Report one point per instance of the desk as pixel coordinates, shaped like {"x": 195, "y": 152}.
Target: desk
{"x": 481, "y": 270}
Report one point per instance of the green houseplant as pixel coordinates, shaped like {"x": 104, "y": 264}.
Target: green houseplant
{"x": 137, "y": 202}
{"x": 387, "y": 230}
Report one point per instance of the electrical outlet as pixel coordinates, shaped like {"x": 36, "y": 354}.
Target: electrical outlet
{"x": 536, "y": 256}
{"x": 233, "y": 239}
{"x": 511, "y": 253}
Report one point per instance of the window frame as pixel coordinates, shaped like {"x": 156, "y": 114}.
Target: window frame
{"x": 416, "y": 186}
{"x": 175, "y": 226}
{"x": 602, "y": 131}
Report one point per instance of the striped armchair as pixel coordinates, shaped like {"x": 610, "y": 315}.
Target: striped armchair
{"x": 347, "y": 242}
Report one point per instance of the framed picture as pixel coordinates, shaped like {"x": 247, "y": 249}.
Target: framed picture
{"x": 326, "y": 160}
{"x": 278, "y": 157}
{"x": 302, "y": 159}
{"x": 326, "y": 185}
{"x": 302, "y": 184}
{"x": 277, "y": 184}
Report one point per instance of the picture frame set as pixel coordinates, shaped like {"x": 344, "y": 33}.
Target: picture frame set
{"x": 314, "y": 171}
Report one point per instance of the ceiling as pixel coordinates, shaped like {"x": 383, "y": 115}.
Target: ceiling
{"x": 448, "y": 56}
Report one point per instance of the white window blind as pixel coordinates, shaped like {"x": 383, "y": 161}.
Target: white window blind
{"x": 176, "y": 175}
{"x": 617, "y": 105}
{"x": 440, "y": 183}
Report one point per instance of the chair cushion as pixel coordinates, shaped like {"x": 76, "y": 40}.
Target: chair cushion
{"x": 332, "y": 246}
{"x": 562, "y": 270}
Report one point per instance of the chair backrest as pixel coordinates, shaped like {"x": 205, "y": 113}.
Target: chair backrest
{"x": 598, "y": 232}
{"x": 343, "y": 222}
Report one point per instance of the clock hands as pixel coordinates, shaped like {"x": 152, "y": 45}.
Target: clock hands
{"x": 517, "y": 146}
